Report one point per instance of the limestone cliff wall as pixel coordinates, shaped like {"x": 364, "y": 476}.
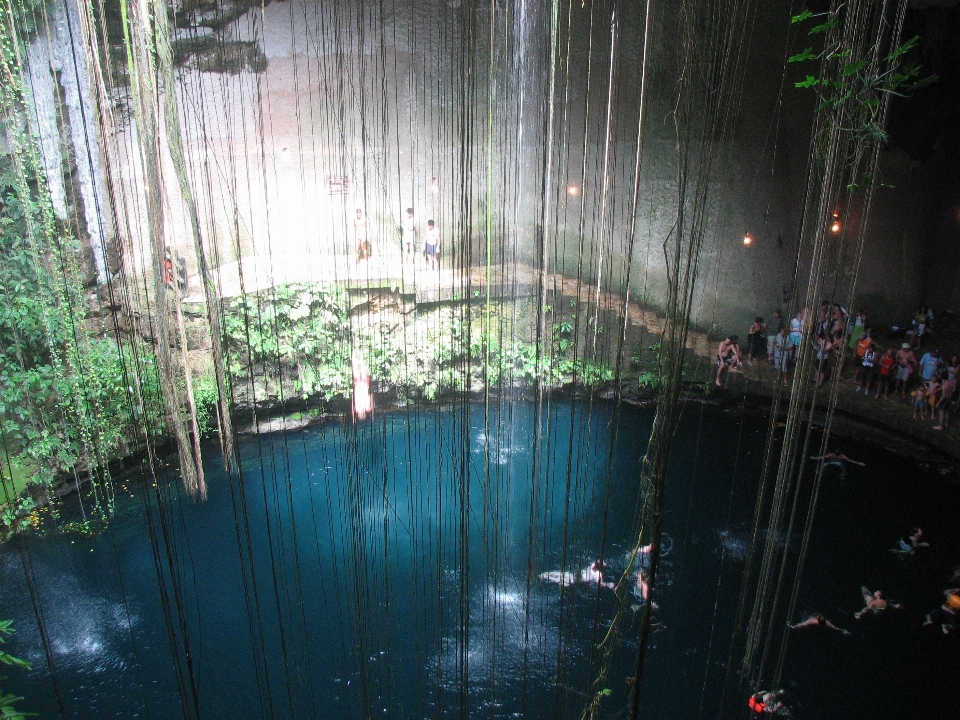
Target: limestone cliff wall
{"x": 297, "y": 113}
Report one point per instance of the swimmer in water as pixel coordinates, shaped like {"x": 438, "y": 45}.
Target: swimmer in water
{"x": 946, "y": 614}
{"x": 909, "y": 545}
{"x": 766, "y": 701}
{"x": 836, "y": 459}
{"x": 591, "y": 574}
{"x": 817, "y": 620}
{"x": 643, "y": 590}
{"x": 594, "y": 574}
{"x": 876, "y": 603}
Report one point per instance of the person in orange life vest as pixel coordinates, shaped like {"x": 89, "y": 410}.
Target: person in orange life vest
{"x": 765, "y": 702}
{"x": 863, "y": 344}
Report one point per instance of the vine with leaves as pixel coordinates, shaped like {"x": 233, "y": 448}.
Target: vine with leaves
{"x": 856, "y": 80}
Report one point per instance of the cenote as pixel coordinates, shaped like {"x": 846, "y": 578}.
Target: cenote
{"x": 393, "y": 569}
{"x": 453, "y": 289}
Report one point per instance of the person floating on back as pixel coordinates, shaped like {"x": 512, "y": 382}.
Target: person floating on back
{"x": 876, "y": 603}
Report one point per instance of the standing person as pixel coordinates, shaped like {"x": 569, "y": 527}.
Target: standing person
{"x": 431, "y": 245}
{"x": 823, "y": 348}
{"x": 905, "y": 365}
{"x": 796, "y": 332}
{"x": 728, "y": 357}
{"x": 929, "y": 364}
{"x": 919, "y": 327}
{"x": 948, "y": 387}
{"x": 887, "y": 363}
{"x": 868, "y": 367}
{"x": 360, "y": 231}
{"x": 408, "y": 231}
{"x": 773, "y": 327}
{"x": 859, "y": 328}
{"x": 755, "y": 339}
{"x": 860, "y": 348}
{"x": 920, "y": 402}
{"x": 953, "y": 367}
{"x": 781, "y": 349}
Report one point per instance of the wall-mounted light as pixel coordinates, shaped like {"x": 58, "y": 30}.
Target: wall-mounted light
{"x": 572, "y": 190}
{"x": 836, "y": 226}
{"x": 748, "y": 239}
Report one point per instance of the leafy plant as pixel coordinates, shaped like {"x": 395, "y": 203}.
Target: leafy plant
{"x": 855, "y": 80}
{"x": 7, "y": 700}
{"x": 301, "y": 327}
{"x": 648, "y": 380}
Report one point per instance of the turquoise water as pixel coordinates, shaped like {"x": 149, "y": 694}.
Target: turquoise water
{"x": 392, "y": 570}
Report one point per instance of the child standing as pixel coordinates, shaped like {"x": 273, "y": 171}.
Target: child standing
{"x": 920, "y": 403}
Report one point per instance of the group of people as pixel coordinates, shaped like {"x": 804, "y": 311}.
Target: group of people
{"x": 875, "y": 368}
{"x": 875, "y": 602}
{"x": 408, "y": 238}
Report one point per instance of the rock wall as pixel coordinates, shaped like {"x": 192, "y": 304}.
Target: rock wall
{"x": 297, "y": 113}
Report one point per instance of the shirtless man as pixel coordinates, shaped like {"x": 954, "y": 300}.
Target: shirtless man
{"x": 948, "y": 386}
{"x": 876, "y": 603}
{"x": 816, "y": 620}
{"x": 728, "y": 356}
{"x": 906, "y": 362}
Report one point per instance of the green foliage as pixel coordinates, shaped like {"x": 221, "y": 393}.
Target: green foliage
{"x": 854, "y": 87}
{"x": 648, "y": 380}
{"x": 301, "y": 326}
{"x": 7, "y": 710}
{"x": 206, "y": 397}
{"x": 64, "y": 397}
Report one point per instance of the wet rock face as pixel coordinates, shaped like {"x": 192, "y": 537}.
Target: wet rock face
{"x": 209, "y": 53}
{"x": 212, "y": 14}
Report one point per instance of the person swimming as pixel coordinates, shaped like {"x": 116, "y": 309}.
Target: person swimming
{"x": 815, "y": 620}
{"x": 836, "y": 459}
{"x": 876, "y": 603}
{"x": 909, "y": 545}
{"x": 766, "y": 702}
{"x": 593, "y": 573}
{"x": 946, "y": 615}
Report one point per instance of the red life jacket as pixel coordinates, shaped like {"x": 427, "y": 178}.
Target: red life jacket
{"x": 756, "y": 705}
{"x": 862, "y": 346}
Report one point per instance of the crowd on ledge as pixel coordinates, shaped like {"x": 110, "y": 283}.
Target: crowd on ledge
{"x": 910, "y": 365}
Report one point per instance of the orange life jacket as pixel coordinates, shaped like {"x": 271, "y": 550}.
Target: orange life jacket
{"x": 862, "y": 345}
{"x": 756, "y": 705}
